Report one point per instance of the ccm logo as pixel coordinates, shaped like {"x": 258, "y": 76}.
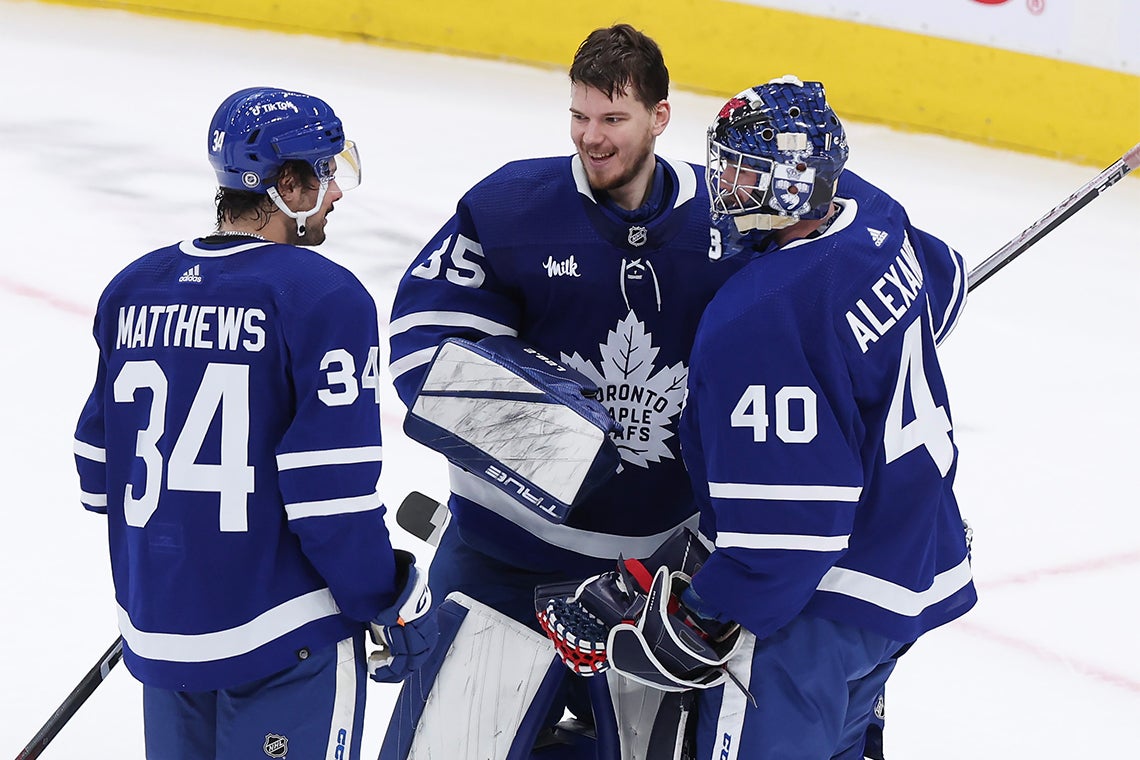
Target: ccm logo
{"x": 725, "y": 746}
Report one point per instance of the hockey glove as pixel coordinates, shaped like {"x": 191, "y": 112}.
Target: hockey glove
{"x": 406, "y": 631}
{"x": 577, "y": 618}
{"x": 669, "y": 647}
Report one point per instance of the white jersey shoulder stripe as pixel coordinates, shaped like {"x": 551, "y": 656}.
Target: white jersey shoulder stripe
{"x": 328, "y": 507}
{"x": 784, "y": 492}
{"x": 893, "y": 597}
{"x": 217, "y": 645}
{"x": 584, "y": 542}
{"x": 87, "y": 451}
{"x": 298, "y": 459}
{"x": 448, "y": 319}
{"x": 782, "y": 541}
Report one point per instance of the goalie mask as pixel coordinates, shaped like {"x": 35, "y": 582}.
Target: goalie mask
{"x": 775, "y": 154}
{"x": 256, "y": 130}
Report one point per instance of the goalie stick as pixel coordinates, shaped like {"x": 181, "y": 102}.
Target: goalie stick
{"x": 74, "y": 701}
{"x": 1046, "y": 224}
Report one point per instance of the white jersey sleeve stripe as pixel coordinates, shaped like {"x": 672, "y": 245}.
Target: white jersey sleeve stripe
{"x": 957, "y": 301}
{"x": 411, "y": 361}
{"x": 298, "y": 459}
{"x": 784, "y": 492}
{"x": 87, "y": 451}
{"x": 302, "y": 509}
{"x": 93, "y": 499}
{"x": 448, "y": 319}
{"x": 782, "y": 541}
{"x": 891, "y": 596}
{"x": 217, "y": 645}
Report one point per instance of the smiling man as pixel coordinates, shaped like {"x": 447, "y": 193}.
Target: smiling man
{"x": 595, "y": 260}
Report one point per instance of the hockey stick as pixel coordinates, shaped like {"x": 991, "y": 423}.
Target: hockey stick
{"x": 423, "y": 517}
{"x": 74, "y": 701}
{"x": 1046, "y": 224}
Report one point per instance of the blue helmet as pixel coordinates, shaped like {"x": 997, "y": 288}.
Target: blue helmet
{"x": 256, "y": 130}
{"x": 775, "y": 154}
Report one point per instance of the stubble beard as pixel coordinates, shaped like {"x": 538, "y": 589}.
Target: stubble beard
{"x": 621, "y": 179}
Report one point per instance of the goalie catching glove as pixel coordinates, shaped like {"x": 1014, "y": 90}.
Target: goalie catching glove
{"x": 406, "y": 631}
{"x": 637, "y": 623}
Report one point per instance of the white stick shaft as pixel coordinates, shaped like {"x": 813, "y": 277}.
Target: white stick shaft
{"x": 1046, "y": 224}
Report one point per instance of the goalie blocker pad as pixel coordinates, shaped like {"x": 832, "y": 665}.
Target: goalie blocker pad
{"x": 528, "y": 425}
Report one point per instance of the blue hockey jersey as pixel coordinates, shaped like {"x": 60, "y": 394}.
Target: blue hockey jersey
{"x": 818, "y": 430}
{"x": 232, "y": 438}
{"x": 531, "y": 253}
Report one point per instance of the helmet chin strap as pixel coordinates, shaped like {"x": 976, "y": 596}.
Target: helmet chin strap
{"x": 300, "y": 216}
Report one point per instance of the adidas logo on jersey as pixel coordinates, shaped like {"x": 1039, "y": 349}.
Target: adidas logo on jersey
{"x": 878, "y": 237}
{"x": 193, "y": 274}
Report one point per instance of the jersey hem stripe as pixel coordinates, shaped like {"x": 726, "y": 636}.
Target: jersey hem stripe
{"x": 893, "y": 597}
{"x": 231, "y": 642}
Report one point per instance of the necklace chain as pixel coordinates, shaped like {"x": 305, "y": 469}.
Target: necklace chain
{"x": 234, "y": 233}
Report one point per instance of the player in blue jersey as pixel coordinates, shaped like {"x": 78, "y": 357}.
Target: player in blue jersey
{"x": 232, "y": 439}
{"x": 590, "y": 259}
{"x": 818, "y": 434}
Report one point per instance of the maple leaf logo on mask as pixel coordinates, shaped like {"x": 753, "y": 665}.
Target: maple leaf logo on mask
{"x": 645, "y": 402}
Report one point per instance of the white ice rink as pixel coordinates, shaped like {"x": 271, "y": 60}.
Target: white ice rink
{"x": 103, "y": 122}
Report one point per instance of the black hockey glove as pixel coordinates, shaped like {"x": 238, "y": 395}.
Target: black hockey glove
{"x": 633, "y": 619}
{"x": 668, "y": 646}
{"x": 406, "y": 631}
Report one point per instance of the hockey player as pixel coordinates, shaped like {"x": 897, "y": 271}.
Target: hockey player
{"x": 589, "y": 259}
{"x": 232, "y": 439}
{"x": 818, "y": 435}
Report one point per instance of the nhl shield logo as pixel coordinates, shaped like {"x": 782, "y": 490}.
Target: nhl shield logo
{"x": 275, "y": 746}
{"x": 637, "y": 236}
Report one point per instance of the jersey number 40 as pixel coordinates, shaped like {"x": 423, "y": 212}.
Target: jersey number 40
{"x": 929, "y": 427}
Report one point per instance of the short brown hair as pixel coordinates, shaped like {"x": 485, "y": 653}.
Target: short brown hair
{"x": 619, "y": 57}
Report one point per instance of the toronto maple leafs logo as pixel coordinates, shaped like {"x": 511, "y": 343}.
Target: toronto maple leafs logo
{"x": 642, "y": 400}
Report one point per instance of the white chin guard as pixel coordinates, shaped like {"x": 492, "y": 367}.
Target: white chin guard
{"x": 749, "y": 222}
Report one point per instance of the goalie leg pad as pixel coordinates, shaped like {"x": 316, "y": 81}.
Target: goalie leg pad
{"x": 484, "y": 695}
